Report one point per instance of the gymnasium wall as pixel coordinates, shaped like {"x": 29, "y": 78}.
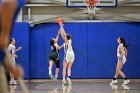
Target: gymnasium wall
{"x": 21, "y": 34}
{"x": 94, "y": 44}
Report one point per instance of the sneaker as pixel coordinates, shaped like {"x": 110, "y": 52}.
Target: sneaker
{"x": 15, "y": 82}
{"x": 64, "y": 82}
{"x": 51, "y": 76}
{"x": 69, "y": 81}
{"x": 126, "y": 82}
{"x": 11, "y": 82}
{"x": 113, "y": 82}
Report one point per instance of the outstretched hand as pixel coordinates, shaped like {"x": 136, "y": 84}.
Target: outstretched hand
{"x": 19, "y": 48}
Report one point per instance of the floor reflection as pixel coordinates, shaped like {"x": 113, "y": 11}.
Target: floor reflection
{"x": 66, "y": 89}
{"x": 12, "y": 88}
{"x": 116, "y": 90}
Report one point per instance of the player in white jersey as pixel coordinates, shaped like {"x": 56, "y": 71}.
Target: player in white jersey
{"x": 12, "y": 49}
{"x": 68, "y": 55}
{"x": 121, "y": 55}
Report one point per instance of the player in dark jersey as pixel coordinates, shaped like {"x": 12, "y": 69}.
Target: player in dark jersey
{"x": 54, "y": 56}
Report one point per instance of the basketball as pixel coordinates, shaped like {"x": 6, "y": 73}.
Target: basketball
{"x": 60, "y": 20}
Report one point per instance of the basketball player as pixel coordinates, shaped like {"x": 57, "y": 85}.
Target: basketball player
{"x": 122, "y": 58}
{"x": 68, "y": 55}
{"x": 12, "y": 49}
{"x": 54, "y": 56}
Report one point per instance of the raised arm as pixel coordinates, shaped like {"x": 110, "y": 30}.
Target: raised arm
{"x": 57, "y": 37}
{"x": 63, "y": 34}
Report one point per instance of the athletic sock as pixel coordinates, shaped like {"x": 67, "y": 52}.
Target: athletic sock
{"x": 125, "y": 78}
{"x": 50, "y": 72}
{"x": 68, "y": 76}
{"x": 56, "y": 76}
{"x": 114, "y": 78}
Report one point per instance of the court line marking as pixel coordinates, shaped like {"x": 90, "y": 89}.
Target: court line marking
{"x": 41, "y": 85}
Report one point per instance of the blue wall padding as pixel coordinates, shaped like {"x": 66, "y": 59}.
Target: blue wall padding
{"x": 94, "y": 43}
{"x": 22, "y": 35}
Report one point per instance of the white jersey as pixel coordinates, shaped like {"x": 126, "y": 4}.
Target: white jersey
{"x": 69, "y": 54}
{"x": 11, "y": 49}
{"x": 68, "y": 47}
{"x": 121, "y": 58}
{"x": 118, "y": 51}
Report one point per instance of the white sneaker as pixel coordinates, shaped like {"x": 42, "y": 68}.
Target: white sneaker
{"x": 69, "y": 81}
{"x": 126, "y": 82}
{"x": 64, "y": 82}
{"x": 51, "y": 76}
{"x": 15, "y": 82}
{"x": 11, "y": 82}
{"x": 113, "y": 82}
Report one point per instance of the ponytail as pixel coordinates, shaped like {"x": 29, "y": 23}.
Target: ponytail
{"x": 124, "y": 42}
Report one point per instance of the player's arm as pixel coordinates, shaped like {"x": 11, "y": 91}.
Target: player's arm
{"x": 57, "y": 37}
{"x": 122, "y": 50}
{"x": 57, "y": 46}
{"x": 18, "y": 49}
{"x": 126, "y": 53}
{"x": 63, "y": 33}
